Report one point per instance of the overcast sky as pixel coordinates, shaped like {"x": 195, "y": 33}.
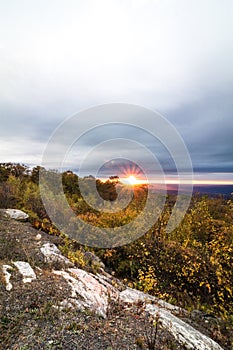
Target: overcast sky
{"x": 58, "y": 57}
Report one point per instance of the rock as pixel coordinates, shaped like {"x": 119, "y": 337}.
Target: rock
{"x": 26, "y": 271}
{"x": 93, "y": 260}
{"x": 87, "y": 291}
{"x": 38, "y": 237}
{"x": 129, "y": 295}
{"x": 183, "y": 332}
{"x": 15, "y": 214}
{"x": 196, "y": 314}
{"x": 94, "y": 293}
{"x": 7, "y": 276}
{"x": 53, "y": 255}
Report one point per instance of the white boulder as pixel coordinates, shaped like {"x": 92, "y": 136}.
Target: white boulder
{"x": 15, "y": 214}
{"x": 87, "y": 291}
{"x": 53, "y": 255}
{"x": 7, "y": 276}
{"x": 26, "y": 271}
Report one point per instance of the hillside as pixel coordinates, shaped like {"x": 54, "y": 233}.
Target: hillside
{"x": 48, "y": 303}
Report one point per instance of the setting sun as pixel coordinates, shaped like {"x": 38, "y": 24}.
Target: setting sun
{"x": 132, "y": 180}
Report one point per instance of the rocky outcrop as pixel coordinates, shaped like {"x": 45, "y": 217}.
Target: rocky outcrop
{"x": 95, "y": 294}
{"x": 87, "y": 291}
{"x": 14, "y": 214}
{"x": 183, "y": 332}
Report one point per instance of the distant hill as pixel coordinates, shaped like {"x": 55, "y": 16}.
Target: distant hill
{"x": 210, "y": 190}
{"x": 224, "y": 190}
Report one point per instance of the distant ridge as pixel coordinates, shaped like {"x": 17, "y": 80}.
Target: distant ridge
{"x": 210, "y": 190}
{"x": 224, "y": 190}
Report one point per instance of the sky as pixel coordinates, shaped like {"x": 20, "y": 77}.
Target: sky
{"x": 174, "y": 57}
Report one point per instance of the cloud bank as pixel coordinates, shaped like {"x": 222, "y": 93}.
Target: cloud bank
{"x": 59, "y": 57}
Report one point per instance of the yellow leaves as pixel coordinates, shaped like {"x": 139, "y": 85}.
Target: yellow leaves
{"x": 220, "y": 296}
{"x": 108, "y": 253}
{"x": 77, "y": 258}
{"x": 36, "y": 224}
{"x": 186, "y": 242}
{"x": 147, "y": 280}
{"x": 213, "y": 260}
{"x": 229, "y": 290}
{"x": 207, "y": 285}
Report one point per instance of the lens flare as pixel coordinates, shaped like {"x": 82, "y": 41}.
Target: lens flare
{"x": 132, "y": 180}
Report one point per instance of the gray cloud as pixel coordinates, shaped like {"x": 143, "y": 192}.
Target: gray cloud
{"x": 206, "y": 127}
{"x": 59, "y": 57}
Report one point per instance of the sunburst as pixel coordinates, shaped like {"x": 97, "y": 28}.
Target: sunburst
{"x": 132, "y": 180}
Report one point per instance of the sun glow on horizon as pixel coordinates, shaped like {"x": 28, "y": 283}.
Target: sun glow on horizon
{"x": 132, "y": 180}
{"x": 193, "y": 182}
{"x": 136, "y": 179}
{"x": 131, "y": 174}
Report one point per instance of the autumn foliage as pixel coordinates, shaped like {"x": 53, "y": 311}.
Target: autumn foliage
{"x": 191, "y": 266}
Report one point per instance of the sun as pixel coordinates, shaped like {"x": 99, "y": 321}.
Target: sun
{"x": 131, "y": 180}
